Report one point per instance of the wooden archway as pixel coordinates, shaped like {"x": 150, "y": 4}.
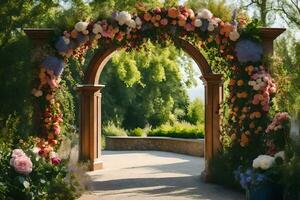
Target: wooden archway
{"x": 90, "y": 106}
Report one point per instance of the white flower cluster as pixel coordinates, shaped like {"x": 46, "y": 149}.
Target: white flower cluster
{"x": 125, "y": 18}
{"x": 206, "y": 14}
{"x": 234, "y": 35}
{"x": 82, "y": 27}
{"x": 259, "y": 81}
{"x": 263, "y": 162}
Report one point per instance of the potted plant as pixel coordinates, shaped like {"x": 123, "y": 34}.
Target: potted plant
{"x": 262, "y": 180}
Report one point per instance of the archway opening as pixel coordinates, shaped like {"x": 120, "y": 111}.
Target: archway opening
{"x": 90, "y": 127}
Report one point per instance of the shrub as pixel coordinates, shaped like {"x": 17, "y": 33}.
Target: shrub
{"x": 196, "y": 111}
{"x": 178, "y": 130}
{"x": 113, "y": 130}
{"x": 137, "y": 132}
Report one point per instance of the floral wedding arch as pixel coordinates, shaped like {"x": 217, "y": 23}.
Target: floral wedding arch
{"x": 242, "y": 45}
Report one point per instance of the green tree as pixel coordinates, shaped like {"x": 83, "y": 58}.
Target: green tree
{"x": 220, "y": 8}
{"x": 195, "y": 113}
{"x": 143, "y": 87}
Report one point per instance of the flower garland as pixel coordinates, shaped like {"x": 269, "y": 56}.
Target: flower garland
{"x": 250, "y": 86}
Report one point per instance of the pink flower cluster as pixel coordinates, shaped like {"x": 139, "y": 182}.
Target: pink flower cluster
{"x": 262, "y": 82}
{"x": 277, "y": 121}
{"x": 20, "y": 162}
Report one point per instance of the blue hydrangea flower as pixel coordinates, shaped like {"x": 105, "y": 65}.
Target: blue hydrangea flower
{"x": 61, "y": 45}
{"x": 205, "y": 24}
{"x": 55, "y": 64}
{"x": 248, "y": 51}
{"x": 81, "y": 38}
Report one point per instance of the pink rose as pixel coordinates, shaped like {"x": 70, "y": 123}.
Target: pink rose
{"x": 55, "y": 160}
{"x": 164, "y": 22}
{"x": 56, "y": 129}
{"x": 21, "y": 164}
{"x": 17, "y": 153}
{"x": 189, "y": 27}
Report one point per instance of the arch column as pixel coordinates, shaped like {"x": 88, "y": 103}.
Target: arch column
{"x": 213, "y": 84}
{"x": 90, "y": 125}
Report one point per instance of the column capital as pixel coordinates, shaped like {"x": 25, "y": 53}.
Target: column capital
{"x": 89, "y": 88}
{"x": 212, "y": 79}
{"x": 39, "y": 36}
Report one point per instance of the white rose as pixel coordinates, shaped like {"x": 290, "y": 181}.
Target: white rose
{"x": 280, "y": 154}
{"x": 198, "y": 23}
{"x": 259, "y": 80}
{"x": 256, "y": 87}
{"x": 85, "y": 32}
{"x": 138, "y": 21}
{"x": 205, "y": 14}
{"x": 97, "y": 28}
{"x": 234, "y": 35}
{"x": 81, "y": 26}
{"x": 123, "y": 17}
{"x": 251, "y": 83}
{"x": 35, "y": 150}
{"x": 210, "y": 27}
{"x": 131, "y": 23}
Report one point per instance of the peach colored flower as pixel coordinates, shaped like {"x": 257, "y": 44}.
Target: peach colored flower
{"x": 182, "y": 23}
{"x": 147, "y": 16}
{"x": 173, "y": 12}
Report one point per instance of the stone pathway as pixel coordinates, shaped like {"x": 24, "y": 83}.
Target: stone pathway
{"x": 153, "y": 175}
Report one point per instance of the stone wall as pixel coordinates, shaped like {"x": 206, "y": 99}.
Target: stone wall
{"x": 194, "y": 147}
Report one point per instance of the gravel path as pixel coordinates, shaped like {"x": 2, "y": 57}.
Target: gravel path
{"x": 153, "y": 175}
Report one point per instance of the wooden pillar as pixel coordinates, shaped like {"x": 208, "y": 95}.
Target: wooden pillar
{"x": 90, "y": 125}
{"x": 213, "y": 97}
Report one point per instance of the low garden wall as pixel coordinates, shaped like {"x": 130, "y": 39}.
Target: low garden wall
{"x": 194, "y": 147}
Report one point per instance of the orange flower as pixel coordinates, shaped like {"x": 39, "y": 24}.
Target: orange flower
{"x": 147, "y": 16}
{"x": 209, "y": 39}
{"x": 226, "y": 28}
{"x": 153, "y": 19}
{"x": 191, "y": 13}
{"x": 181, "y": 23}
{"x": 233, "y": 137}
{"x": 244, "y": 94}
{"x": 245, "y": 109}
{"x": 74, "y": 34}
{"x": 119, "y": 36}
{"x": 173, "y": 12}
{"x": 240, "y": 82}
{"x": 158, "y": 17}
{"x": 251, "y": 125}
{"x": 174, "y": 22}
{"x": 232, "y": 82}
{"x": 244, "y": 140}
{"x": 257, "y": 114}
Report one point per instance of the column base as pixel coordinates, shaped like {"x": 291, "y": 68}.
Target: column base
{"x": 96, "y": 165}
{"x": 206, "y": 176}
